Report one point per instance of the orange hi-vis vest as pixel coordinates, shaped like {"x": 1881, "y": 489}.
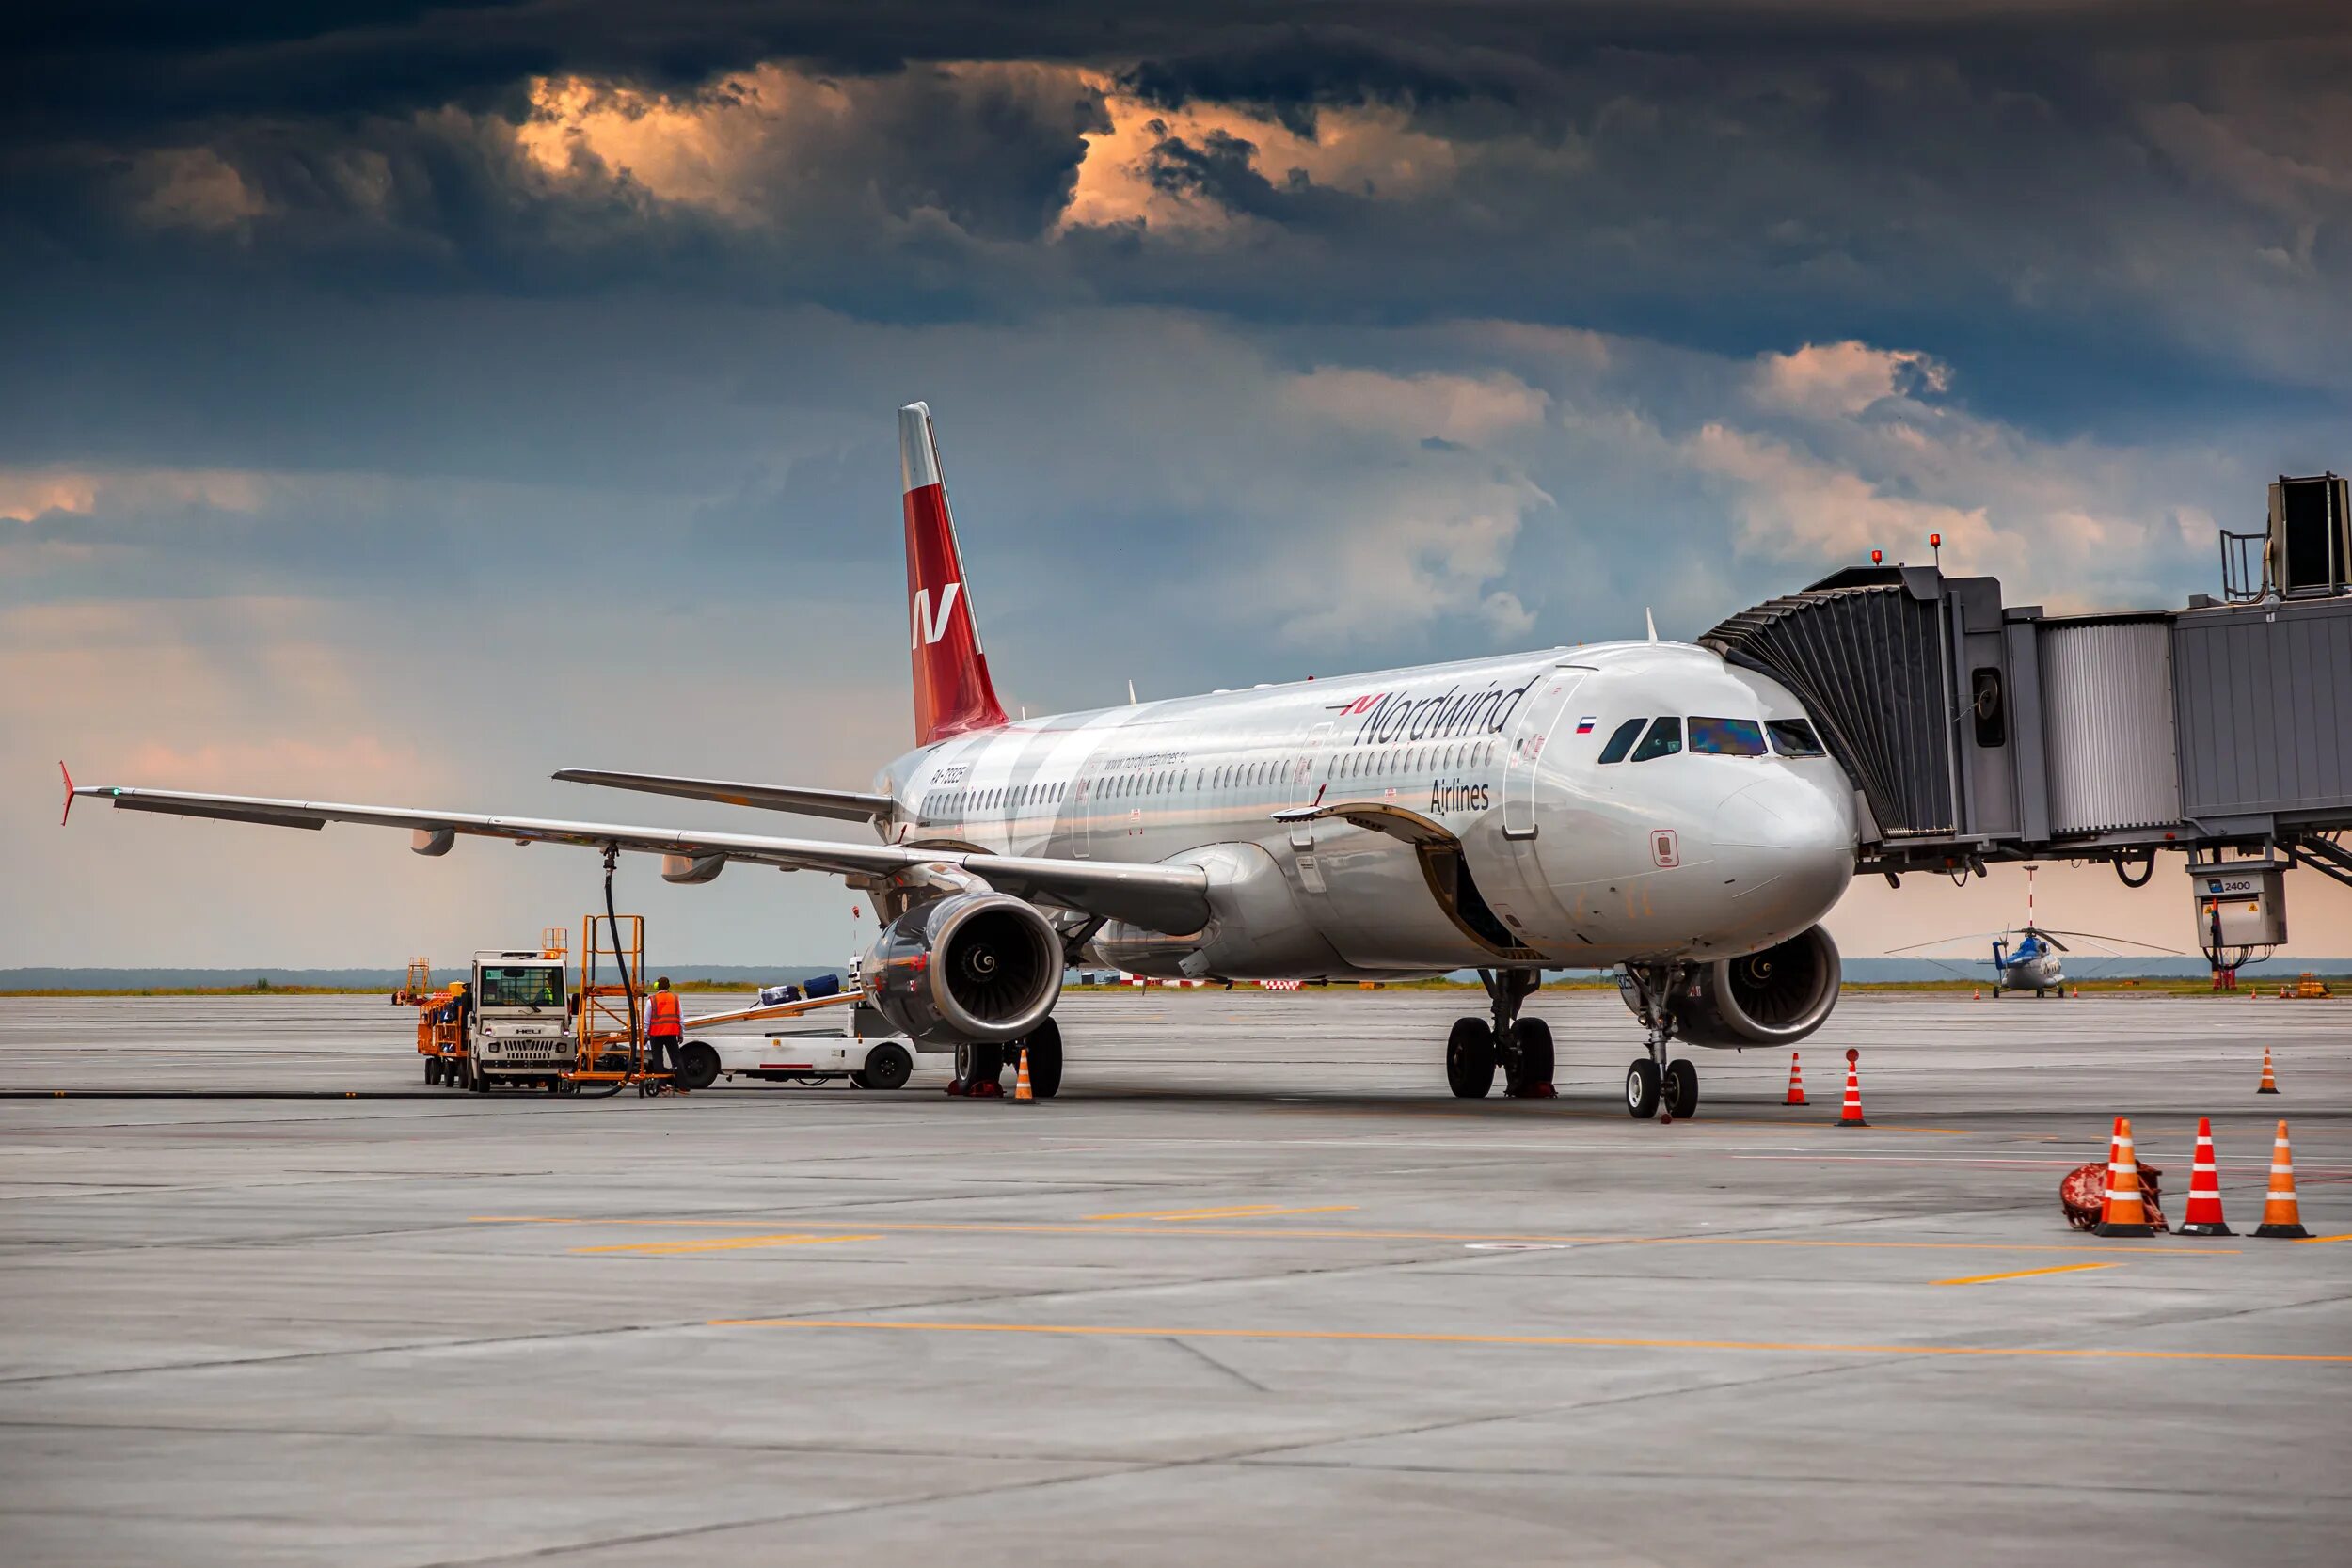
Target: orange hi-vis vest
{"x": 665, "y": 1019}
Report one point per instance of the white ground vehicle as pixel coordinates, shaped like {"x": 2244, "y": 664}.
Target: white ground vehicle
{"x": 854, "y": 1042}
{"x": 516, "y": 1030}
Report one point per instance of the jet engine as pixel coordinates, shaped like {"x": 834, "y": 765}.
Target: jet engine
{"x": 1775, "y": 997}
{"x": 969, "y": 969}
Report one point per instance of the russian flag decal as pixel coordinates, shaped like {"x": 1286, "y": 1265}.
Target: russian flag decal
{"x": 1584, "y": 726}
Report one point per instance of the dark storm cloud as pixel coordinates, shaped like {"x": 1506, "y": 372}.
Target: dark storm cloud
{"x": 2096, "y": 211}
{"x": 113, "y": 66}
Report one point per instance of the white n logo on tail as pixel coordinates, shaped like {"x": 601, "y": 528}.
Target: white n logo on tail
{"x": 926, "y": 629}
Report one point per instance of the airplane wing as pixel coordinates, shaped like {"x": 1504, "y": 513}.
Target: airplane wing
{"x": 1158, "y": 897}
{"x": 848, "y": 805}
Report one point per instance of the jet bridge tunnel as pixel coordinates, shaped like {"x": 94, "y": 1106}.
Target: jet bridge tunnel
{"x": 1976, "y": 730}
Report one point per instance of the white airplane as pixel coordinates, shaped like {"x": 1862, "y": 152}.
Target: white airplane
{"x": 1638, "y": 805}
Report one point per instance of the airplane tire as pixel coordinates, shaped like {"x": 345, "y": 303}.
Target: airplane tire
{"x": 697, "y": 1066}
{"x": 1529, "y": 1065}
{"x": 980, "y": 1064}
{"x": 1681, "y": 1089}
{"x": 1641, "y": 1089}
{"x": 1470, "y": 1058}
{"x": 887, "y": 1067}
{"x": 1044, "y": 1043}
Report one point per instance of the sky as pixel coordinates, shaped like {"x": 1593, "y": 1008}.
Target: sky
{"x": 401, "y": 402}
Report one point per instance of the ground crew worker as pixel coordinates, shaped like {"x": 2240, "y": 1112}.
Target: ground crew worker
{"x": 665, "y": 1026}
{"x": 452, "y": 1015}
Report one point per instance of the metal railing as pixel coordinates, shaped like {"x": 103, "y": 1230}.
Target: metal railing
{"x": 2245, "y": 567}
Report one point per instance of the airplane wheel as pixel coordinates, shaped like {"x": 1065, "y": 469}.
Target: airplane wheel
{"x": 1470, "y": 1058}
{"x": 697, "y": 1066}
{"x": 979, "y": 1065}
{"x": 887, "y": 1067}
{"x": 1044, "y": 1044}
{"x": 1681, "y": 1089}
{"x": 1527, "y": 1071}
{"x": 1641, "y": 1089}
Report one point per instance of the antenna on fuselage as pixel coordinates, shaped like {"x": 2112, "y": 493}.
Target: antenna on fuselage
{"x": 1131, "y": 693}
{"x": 1651, "y": 621}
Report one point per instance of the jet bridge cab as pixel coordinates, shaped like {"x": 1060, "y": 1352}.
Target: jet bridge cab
{"x": 1685, "y": 822}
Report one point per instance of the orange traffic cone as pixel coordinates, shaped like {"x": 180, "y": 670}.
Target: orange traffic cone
{"x": 1020, "y": 1078}
{"x": 2123, "y": 1213}
{"x": 2282, "y": 1217}
{"x": 1796, "y": 1082}
{"x": 2205, "y": 1188}
{"x": 2270, "y": 1083}
{"x": 1850, "y": 1114}
{"x": 1976, "y": 995}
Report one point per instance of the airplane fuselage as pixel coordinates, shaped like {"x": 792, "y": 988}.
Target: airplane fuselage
{"x": 1466, "y": 820}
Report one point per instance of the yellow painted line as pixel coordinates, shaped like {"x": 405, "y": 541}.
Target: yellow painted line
{"x": 1242, "y": 1211}
{"x": 2314, "y": 1240}
{"x": 724, "y": 1243}
{"x": 1522, "y": 1341}
{"x": 2023, "y": 1274}
{"x": 981, "y": 1229}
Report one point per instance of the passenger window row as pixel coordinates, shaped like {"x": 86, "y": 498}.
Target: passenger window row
{"x": 947, "y": 805}
{"x": 1712, "y": 736}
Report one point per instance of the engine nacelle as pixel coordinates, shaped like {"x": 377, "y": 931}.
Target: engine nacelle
{"x": 1775, "y": 997}
{"x": 969, "y": 969}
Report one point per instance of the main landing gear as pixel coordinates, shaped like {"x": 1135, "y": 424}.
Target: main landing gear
{"x": 980, "y": 1069}
{"x": 1521, "y": 1046}
{"x": 1653, "y": 1083}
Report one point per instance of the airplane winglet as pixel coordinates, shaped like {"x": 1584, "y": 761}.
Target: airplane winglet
{"x": 68, "y": 794}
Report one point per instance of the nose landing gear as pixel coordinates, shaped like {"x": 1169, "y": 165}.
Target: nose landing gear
{"x": 1521, "y": 1046}
{"x": 1654, "y": 1084}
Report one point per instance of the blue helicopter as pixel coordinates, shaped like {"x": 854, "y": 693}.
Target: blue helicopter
{"x": 2026, "y": 957}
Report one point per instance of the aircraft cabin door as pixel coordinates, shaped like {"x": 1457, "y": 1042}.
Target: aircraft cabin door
{"x": 1523, "y": 755}
{"x": 1082, "y": 816}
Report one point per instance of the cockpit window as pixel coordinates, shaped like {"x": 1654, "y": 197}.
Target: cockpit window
{"x": 1663, "y": 740}
{"x": 1622, "y": 742}
{"x": 1794, "y": 738}
{"x": 1727, "y": 737}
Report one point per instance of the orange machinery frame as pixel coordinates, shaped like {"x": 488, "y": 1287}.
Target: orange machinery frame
{"x": 601, "y": 1012}
{"x": 434, "y": 1038}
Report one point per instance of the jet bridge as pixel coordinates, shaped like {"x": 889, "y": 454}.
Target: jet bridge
{"x": 1976, "y": 730}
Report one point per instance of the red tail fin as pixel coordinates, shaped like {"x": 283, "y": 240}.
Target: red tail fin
{"x": 952, "y": 691}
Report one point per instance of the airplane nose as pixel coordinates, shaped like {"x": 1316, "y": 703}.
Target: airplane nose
{"x": 1800, "y": 829}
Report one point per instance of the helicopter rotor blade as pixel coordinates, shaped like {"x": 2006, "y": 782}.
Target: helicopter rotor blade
{"x": 2126, "y": 942}
{"x": 1941, "y": 942}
